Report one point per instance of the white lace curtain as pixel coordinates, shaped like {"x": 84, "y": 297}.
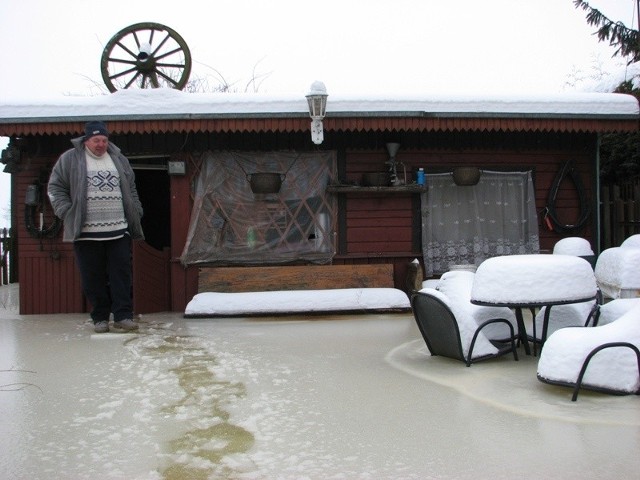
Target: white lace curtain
{"x": 463, "y": 225}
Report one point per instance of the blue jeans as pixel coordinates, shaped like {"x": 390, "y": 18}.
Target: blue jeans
{"x": 105, "y": 270}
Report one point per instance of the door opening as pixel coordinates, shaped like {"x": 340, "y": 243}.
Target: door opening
{"x": 153, "y": 189}
{"x": 151, "y": 258}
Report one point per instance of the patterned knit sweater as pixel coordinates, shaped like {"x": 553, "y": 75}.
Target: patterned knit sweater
{"x": 105, "y": 218}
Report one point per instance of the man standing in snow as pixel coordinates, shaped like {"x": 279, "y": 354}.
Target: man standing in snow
{"x": 92, "y": 189}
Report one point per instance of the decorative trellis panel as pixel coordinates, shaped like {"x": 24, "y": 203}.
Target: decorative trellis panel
{"x": 232, "y": 225}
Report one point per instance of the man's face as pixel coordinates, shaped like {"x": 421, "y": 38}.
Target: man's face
{"x": 97, "y": 145}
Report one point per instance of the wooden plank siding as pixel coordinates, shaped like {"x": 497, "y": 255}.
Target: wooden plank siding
{"x": 372, "y": 228}
{"x": 49, "y": 285}
{"x": 375, "y": 224}
{"x": 620, "y": 212}
{"x": 378, "y": 224}
{"x": 49, "y": 281}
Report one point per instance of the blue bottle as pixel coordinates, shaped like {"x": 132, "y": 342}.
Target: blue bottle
{"x": 420, "y": 180}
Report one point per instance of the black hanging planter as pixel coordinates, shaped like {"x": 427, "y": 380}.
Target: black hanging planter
{"x": 264, "y": 182}
{"x": 466, "y": 176}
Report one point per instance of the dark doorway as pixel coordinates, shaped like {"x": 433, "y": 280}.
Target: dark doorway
{"x": 151, "y": 258}
{"x": 153, "y": 189}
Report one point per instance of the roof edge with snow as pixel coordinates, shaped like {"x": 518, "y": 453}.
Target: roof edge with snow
{"x": 173, "y": 105}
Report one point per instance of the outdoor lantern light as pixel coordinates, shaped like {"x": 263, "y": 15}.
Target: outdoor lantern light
{"x": 317, "y": 99}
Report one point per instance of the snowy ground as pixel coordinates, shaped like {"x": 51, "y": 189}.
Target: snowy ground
{"x": 344, "y": 397}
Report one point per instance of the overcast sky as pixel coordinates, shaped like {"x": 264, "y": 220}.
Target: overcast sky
{"x": 353, "y": 46}
{"x": 54, "y": 47}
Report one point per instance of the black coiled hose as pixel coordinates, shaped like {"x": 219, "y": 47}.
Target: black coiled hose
{"x": 551, "y": 217}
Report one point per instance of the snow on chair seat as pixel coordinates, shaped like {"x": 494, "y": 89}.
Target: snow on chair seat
{"x": 577, "y": 246}
{"x": 457, "y": 285}
{"x": 580, "y": 247}
{"x": 618, "y": 272}
{"x": 631, "y": 242}
{"x": 614, "y": 309}
{"x": 562, "y": 316}
{"x": 603, "y": 358}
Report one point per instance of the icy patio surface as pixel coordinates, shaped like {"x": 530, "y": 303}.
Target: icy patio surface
{"x": 344, "y": 397}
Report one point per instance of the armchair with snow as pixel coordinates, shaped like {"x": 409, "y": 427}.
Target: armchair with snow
{"x": 452, "y": 333}
{"x": 617, "y": 269}
{"x": 605, "y": 358}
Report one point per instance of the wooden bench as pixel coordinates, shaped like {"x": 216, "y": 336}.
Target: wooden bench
{"x": 298, "y": 277}
{"x": 299, "y": 289}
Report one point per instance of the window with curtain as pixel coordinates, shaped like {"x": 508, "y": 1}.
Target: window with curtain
{"x": 463, "y": 225}
{"x": 233, "y": 225}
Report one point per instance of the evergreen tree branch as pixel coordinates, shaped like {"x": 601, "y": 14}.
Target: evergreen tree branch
{"x": 626, "y": 40}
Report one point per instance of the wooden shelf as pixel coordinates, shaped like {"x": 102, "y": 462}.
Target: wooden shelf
{"x": 374, "y": 255}
{"x": 385, "y": 190}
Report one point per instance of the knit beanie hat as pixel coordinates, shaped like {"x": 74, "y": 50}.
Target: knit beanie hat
{"x": 91, "y": 129}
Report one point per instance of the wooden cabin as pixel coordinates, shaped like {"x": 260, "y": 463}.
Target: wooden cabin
{"x": 168, "y": 135}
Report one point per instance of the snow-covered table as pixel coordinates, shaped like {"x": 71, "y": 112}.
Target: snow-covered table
{"x": 533, "y": 281}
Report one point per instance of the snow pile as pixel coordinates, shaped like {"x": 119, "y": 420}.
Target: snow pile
{"x": 618, "y": 271}
{"x": 631, "y": 242}
{"x": 297, "y": 301}
{"x": 533, "y": 279}
{"x": 580, "y": 247}
{"x": 613, "y": 368}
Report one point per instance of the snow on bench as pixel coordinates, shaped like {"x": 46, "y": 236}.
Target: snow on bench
{"x": 339, "y": 300}
{"x": 236, "y": 291}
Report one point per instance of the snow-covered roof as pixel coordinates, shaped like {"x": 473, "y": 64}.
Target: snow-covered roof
{"x": 172, "y": 104}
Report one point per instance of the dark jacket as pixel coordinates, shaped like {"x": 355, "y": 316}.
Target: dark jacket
{"x": 68, "y": 190}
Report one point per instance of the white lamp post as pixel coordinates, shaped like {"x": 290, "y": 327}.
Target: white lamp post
{"x": 317, "y": 99}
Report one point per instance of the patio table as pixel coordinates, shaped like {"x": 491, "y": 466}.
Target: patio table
{"x": 533, "y": 281}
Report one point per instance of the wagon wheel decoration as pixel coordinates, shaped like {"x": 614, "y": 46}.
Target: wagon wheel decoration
{"x": 146, "y": 55}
